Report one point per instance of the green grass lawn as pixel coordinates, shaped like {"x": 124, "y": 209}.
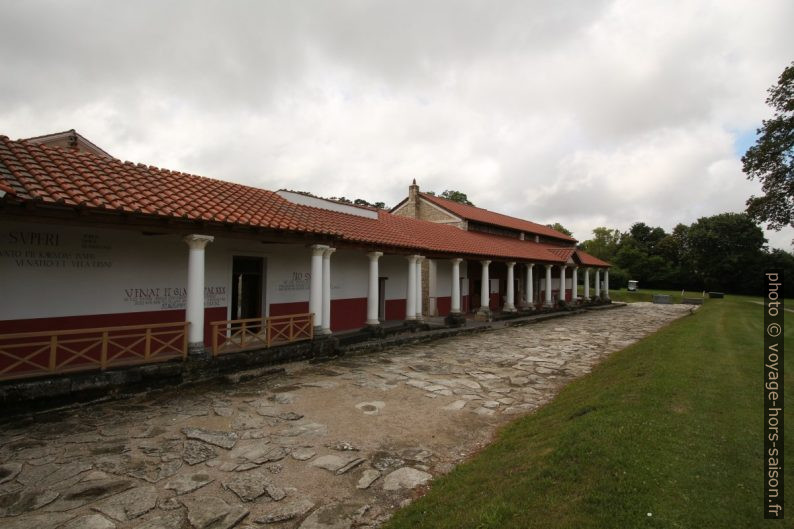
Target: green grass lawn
{"x": 647, "y": 294}
{"x": 670, "y": 426}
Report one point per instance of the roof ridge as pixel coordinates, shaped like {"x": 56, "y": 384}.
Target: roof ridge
{"x": 458, "y": 205}
{"x": 48, "y": 176}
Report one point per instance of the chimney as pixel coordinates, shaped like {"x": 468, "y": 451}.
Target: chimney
{"x": 413, "y": 198}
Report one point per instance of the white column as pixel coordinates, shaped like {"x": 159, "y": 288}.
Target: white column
{"x": 419, "y": 260}
{"x": 598, "y": 283}
{"x": 575, "y": 284}
{"x": 327, "y": 290}
{"x": 530, "y": 286}
{"x": 510, "y": 304}
{"x": 194, "y": 305}
{"x": 587, "y": 284}
{"x": 410, "y": 295}
{"x": 562, "y": 282}
{"x": 547, "y": 302}
{"x": 485, "y": 287}
{"x": 372, "y": 293}
{"x": 606, "y": 283}
{"x": 456, "y": 286}
{"x": 316, "y": 286}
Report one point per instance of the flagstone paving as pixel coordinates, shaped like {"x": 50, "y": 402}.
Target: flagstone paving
{"x": 334, "y": 445}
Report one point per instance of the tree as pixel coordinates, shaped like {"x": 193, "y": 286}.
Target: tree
{"x": 604, "y": 244}
{"x": 771, "y": 159}
{"x": 456, "y": 196}
{"x": 645, "y": 237}
{"x": 362, "y": 202}
{"x": 560, "y": 228}
{"x": 726, "y": 252}
{"x": 780, "y": 259}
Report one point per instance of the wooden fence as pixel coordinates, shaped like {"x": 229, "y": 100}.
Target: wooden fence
{"x": 30, "y": 354}
{"x": 238, "y": 335}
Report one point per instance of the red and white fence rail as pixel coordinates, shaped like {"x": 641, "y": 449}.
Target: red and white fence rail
{"x": 31, "y": 354}
{"x": 254, "y": 333}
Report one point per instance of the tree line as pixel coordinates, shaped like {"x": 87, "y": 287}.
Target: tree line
{"x": 725, "y": 252}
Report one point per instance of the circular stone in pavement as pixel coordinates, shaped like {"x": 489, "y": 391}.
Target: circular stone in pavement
{"x": 371, "y": 408}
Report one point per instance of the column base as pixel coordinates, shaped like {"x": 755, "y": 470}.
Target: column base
{"x": 483, "y": 314}
{"x": 455, "y": 319}
{"x": 548, "y": 304}
{"x": 197, "y": 351}
{"x": 325, "y": 331}
{"x": 509, "y": 308}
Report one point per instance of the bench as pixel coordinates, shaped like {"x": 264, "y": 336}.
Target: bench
{"x": 662, "y": 299}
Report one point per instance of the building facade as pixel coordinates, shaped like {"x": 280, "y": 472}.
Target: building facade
{"x": 89, "y": 241}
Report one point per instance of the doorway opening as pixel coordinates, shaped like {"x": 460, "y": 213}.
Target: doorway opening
{"x": 247, "y": 274}
{"x": 382, "y": 298}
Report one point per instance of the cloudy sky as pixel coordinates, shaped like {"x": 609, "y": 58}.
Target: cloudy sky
{"x": 590, "y": 113}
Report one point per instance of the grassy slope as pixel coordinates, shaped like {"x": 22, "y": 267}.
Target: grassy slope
{"x": 647, "y": 295}
{"x": 670, "y": 426}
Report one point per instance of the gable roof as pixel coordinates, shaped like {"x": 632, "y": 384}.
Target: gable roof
{"x": 496, "y": 219}
{"x": 589, "y": 260}
{"x": 72, "y": 138}
{"x": 81, "y": 180}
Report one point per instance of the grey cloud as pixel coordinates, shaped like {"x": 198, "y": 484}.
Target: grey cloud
{"x": 588, "y": 113}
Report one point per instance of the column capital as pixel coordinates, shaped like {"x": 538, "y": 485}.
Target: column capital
{"x": 456, "y": 260}
{"x": 510, "y": 264}
{"x": 575, "y": 267}
{"x": 198, "y": 242}
{"x": 318, "y": 249}
{"x": 563, "y": 267}
{"x": 412, "y": 258}
{"x": 328, "y": 251}
{"x": 485, "y": 262}
{"x": 531, "y": 265}
{"x": 548, "y": 266}
{"x": 375, "y": 255}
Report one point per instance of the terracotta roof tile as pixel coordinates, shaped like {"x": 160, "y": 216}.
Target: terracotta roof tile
{"x": 563, "y": 253}
{"x": 588, "y": 260}
{"x": 33, "y": 173}
{"x": 497, "y": 219}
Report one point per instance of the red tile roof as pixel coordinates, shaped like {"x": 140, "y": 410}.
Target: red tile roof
{"x": 497, "y": 219}
{"x": 563, "y": 253}
{"x": 82, "y": 180}
{"x": 588, "y": 260}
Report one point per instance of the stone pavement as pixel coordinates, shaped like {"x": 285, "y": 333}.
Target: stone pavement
{"x": 325, "y": 446}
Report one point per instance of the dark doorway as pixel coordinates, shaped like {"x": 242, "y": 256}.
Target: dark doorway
{"x": 246, "y": 287}
{"x": 474, "y": 294}
{"x": 463, "y": 299}
{"x": 382, "y": 298}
